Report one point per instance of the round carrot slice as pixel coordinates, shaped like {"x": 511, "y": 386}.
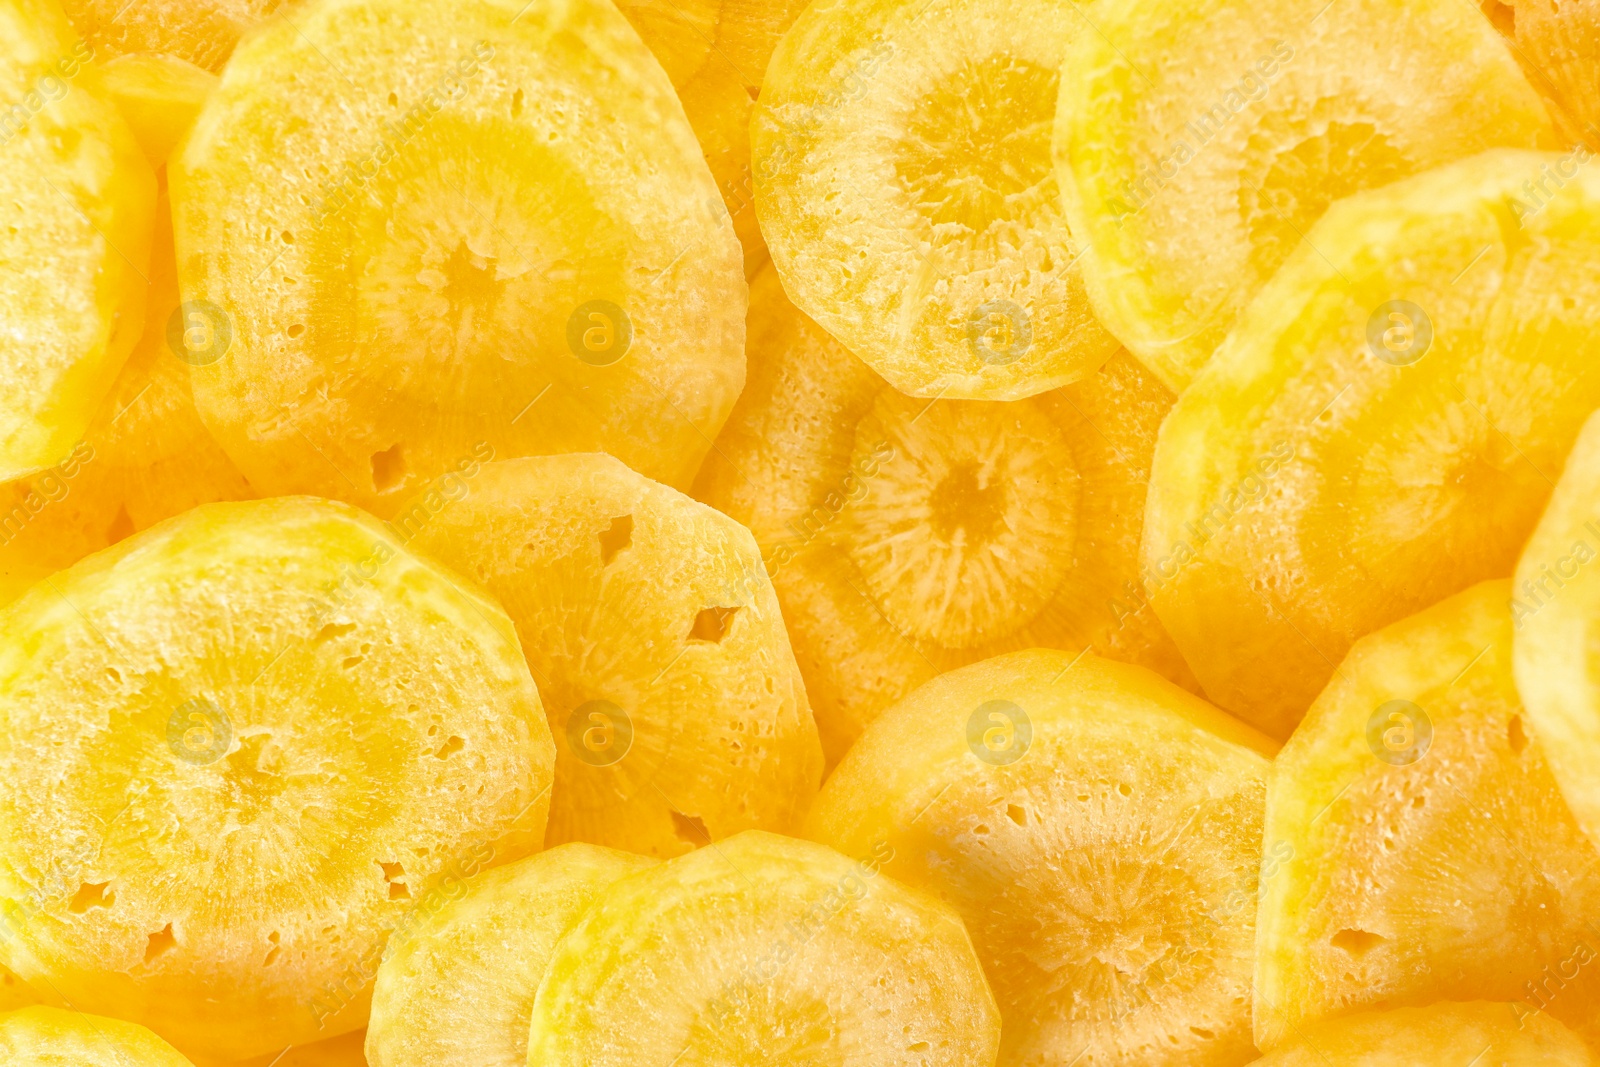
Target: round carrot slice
{"x": 1099, "y": 831}
{"x": 903, "y": 180}
{"x": 457, "y": 986}
{"x": 656, "y": 641}
{"x": 241, "y": 746}
{"x": 906, "y": 537}
{"x": 1382, "y": 428}
{"x": 481, "y": 224}
{"x": 1423, "y": 851}
{"x": 1197, "y": 144}
{"x": 764, "y": 948}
